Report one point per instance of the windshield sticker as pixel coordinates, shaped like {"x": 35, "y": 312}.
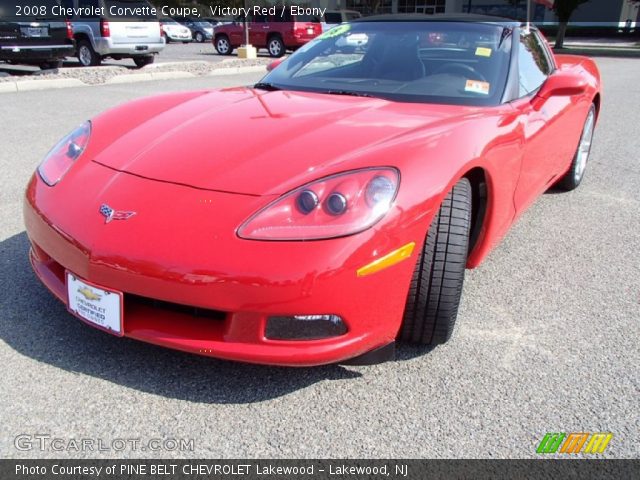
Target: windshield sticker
{"x": 336, "y": 31}
{"x": 476, "y": 86}
{"x": 483, "y": 52}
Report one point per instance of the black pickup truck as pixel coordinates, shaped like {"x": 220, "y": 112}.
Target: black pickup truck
{"x": 34, "y": 34}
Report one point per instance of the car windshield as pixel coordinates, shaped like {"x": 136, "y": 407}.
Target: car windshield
{"x": 429, "y": 62}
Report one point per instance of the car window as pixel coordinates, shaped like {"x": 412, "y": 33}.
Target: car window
{"x": 333, "y": 17}
{"x": 533, "y": 64}
{"x": 428, "y": 62}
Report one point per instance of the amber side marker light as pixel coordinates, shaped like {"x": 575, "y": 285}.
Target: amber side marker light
{"x": 388, "y": 260}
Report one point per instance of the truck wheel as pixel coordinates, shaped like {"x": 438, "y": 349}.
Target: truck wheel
{"x": 142, "y": 61}
{"x": 436, "y": 286}
{"x": 275, "y": 46}
{"x": 51, "y": 65}
{"x": 87, "y": 56}
{"x": 223, "y": 46}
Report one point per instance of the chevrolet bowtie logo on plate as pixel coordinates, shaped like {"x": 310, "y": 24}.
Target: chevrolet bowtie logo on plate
{"x": 89, "y": 294}
{"x": 110, "y": 214}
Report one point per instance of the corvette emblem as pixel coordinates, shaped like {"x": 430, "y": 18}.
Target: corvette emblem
{"x": 110, "y": 214}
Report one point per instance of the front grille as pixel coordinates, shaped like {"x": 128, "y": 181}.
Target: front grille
{"x": 196, "y": 312}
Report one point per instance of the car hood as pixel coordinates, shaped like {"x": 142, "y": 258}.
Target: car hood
{"x": 255, "y": 142}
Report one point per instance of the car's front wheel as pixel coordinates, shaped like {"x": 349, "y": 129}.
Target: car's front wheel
{"x": 223, "y": 46}
{"x": 199, "y": 37}
{"x": 276, "y": 47}
{"x": 574, "y": 176}
{"x": 436, "y": 285}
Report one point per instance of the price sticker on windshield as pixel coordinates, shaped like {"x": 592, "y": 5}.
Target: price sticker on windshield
{"x": 476, "y": 86}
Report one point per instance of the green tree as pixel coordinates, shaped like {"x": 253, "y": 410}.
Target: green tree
{"x": 563, "y": 10}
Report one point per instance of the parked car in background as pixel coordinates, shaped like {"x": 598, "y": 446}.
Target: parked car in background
{"x": 275, "y": 33}
{"x": 200, "y": 30}
{"x": 335, "y": 17}
{"x": 98, "y": 37}
{"x": 43, "y": 40}
{"x": 174, "y": 31}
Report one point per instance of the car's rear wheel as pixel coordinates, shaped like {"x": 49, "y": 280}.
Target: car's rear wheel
{"x": 275, "y": 46}
{"x": 575, "y": 174}
{"x": 87, "y": 55}
{"x": 199, "y": 37}
{"x": 223, "y": 46}
{"x": 142, "y": 61}
{"x": 436, "y": 285}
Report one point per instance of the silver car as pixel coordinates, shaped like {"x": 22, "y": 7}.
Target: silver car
{"x": 112, "y": 34}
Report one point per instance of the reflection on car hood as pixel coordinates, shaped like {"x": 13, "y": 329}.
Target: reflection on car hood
{"x": 254, "y": 142}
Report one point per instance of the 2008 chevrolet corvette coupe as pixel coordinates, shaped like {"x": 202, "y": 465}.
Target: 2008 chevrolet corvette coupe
{"x": 348, "y": 191}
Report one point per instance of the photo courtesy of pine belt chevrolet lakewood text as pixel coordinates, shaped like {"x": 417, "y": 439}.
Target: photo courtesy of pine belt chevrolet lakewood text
{"x": 349, "y": 190}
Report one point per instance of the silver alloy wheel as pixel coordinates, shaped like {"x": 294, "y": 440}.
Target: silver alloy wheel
{"x": 84, "y": 55}
{"x": 223, "y": 45}
{"x": 275, "y": 48}
{"x": 199, "y": 37}
{"x": 585, "y": 146}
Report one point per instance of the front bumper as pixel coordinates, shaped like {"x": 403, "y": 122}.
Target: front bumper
{"x": 238, "y": 283}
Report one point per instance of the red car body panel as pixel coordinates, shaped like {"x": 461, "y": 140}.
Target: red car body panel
{"x": 190, "y": 203}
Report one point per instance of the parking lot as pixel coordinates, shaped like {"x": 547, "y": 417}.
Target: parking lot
{"x": 173, "y": 52}
{"x": 547, "y": 338}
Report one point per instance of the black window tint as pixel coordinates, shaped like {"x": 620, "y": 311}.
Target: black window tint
{"x": 533, "y": 64}
{"x": 333, "y": 17}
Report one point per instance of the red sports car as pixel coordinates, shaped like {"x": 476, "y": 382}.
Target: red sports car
{"x": 348, "y": 191}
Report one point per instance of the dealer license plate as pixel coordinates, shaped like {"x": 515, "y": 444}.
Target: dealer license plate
{"x": 95, "y": 305}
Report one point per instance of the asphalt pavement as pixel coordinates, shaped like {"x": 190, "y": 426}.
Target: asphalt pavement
{"x": 547, "y": 338}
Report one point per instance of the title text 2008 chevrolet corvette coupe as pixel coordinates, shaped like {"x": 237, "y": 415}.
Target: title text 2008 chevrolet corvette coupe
{"x": 348, "y": 191}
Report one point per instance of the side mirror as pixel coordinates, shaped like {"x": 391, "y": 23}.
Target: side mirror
{"x": 563, "y": 83}
{"x": 274, "y": 64}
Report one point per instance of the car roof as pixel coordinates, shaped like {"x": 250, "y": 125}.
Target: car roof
{"x": 440, "y": 17}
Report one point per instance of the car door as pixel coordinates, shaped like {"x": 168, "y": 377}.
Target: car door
{"x": 541, "y": 122}
{"x": 236, "y": 31}
{"x": 258, "y": 30}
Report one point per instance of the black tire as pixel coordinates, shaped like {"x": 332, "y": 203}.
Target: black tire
{"x": 87, "y": 56}
{"x": 199, "y": 37}
{"x": 223, "y": 45}
{"x": 275, "y": 46}
{"x": 143, "y": 61}
{"x": 436, "y": 286}
{"x": 575, "y": 174}
{"x": 51, "y": 65}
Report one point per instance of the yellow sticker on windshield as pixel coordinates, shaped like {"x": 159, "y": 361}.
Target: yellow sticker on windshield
{"x": 335, "y": 31}
{"x": 476, "y": 86}
{"x": 483, "y": 52}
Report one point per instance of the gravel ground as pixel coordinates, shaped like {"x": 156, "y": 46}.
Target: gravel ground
{"x": 547, "y": 336}
{"x": 98, "y": 75}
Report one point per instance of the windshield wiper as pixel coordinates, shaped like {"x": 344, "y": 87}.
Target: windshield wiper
{"x": 348, "y": 92}
{"x": 270, "y": 87}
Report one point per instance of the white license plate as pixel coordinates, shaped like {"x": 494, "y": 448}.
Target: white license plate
{"x": 97, "y": 306}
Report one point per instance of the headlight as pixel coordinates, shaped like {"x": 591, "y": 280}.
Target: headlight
{"x": 334, "y": 206}
{"x": 59, "y": 160}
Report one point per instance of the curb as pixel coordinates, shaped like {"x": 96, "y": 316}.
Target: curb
{"x": 145, "y": 77}
{"x": 30, "y": 85}
{"x": 237, "y": 70}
